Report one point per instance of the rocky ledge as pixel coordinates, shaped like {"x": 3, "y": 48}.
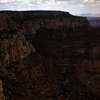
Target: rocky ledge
{"x": 13, "y": 46}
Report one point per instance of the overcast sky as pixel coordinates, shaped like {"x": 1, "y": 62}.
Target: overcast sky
{"x": 72, "y": 6}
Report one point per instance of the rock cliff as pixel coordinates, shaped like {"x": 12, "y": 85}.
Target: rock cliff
{"x": 13, "y": 47}
{"x": 6, "y": 21}
{"x": 37, "y": 20}
{"x": 60, "y": 39}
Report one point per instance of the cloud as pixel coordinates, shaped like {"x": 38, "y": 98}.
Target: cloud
{"x": 72, "y": 6}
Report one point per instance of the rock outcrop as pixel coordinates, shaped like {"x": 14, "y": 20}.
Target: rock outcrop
{"x": 6, "y": 21}
{"x": 13, "y": 47}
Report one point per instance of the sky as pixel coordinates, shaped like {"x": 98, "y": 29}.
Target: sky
{"x": 71, "y": 6}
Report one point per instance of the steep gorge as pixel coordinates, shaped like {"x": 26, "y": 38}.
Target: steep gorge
{"x": 59, "y": 39}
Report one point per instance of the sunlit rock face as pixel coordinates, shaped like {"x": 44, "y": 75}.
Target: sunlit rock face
{"x": 14, "y": 47}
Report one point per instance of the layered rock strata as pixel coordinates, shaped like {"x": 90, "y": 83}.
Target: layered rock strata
{"x": 30, "y": 76}
{"x": 37, "y": 20}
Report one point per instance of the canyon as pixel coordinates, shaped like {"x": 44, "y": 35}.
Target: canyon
{"x": 94, "y": 21}
{"x": 35, "y": 46}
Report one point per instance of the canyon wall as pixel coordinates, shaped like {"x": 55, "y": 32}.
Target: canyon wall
{"x": 30, "y": 21}
{"x": 60, "y": 39}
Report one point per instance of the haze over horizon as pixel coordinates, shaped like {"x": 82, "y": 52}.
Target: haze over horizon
{"x": 72, "y": 6}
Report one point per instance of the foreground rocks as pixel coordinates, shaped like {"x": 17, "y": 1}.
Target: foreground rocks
{"x": 33, "y": 78}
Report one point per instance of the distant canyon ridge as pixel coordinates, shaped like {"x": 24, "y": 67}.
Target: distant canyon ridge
{"x": 94, "y": 19}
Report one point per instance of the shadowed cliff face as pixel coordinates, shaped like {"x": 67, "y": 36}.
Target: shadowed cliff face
{"x": 6, "y": 21}
{"x": 33, "y": 78}
{"x": 35, "y": 20}
{"x": 59, "y": 39}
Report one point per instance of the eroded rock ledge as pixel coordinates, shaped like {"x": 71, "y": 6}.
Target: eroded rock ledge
{"x": 13, "y": 48}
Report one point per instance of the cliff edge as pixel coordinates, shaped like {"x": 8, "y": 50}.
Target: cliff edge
{"x": 30, "y": 21}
